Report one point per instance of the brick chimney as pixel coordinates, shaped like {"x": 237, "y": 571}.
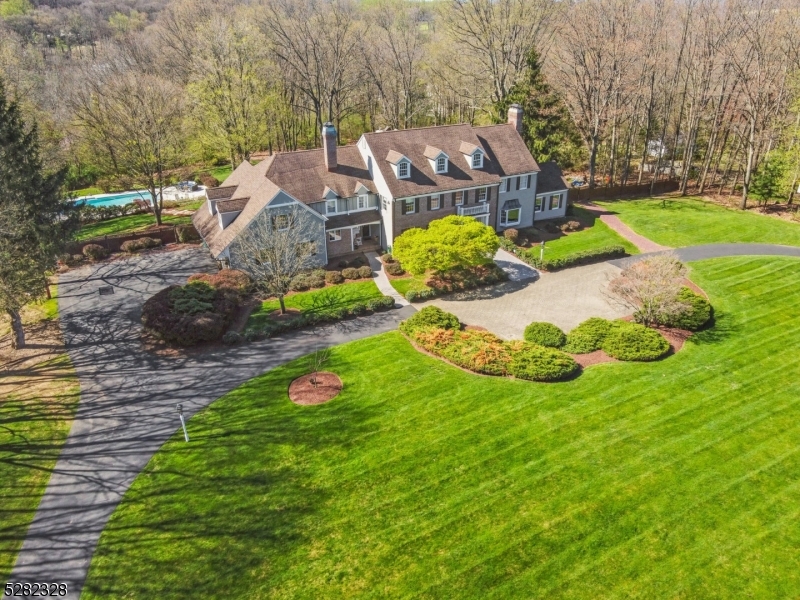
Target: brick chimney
{"x": 515, "y": 117}
{"x": 329, "y": 145}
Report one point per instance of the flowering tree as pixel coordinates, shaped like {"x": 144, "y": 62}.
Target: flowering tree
{"x": 446, "y": 243}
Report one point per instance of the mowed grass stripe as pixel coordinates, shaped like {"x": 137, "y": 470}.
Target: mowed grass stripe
{"x": 424, "y": 481}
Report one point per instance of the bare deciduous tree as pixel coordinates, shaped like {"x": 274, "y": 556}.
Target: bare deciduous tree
{"x": 650, "y": 288}
{"x": 276, "y": 247}
{"x": 316, "y": 360}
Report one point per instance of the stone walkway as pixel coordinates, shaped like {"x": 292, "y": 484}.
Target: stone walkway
{"x": 641, "y": 242}
{"x": 382, "y": 281}
{"x": 515, "y": 268}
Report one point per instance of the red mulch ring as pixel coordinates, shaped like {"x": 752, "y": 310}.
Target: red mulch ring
{"x": 675, "y": 337}
{"x": 290, "y": 312}
{"x": 302, "y": 391}
{"x": 592, "y": 358}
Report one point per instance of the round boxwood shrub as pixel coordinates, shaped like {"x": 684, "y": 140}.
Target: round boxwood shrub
{"x": 588, "y": 336}
{"x": 359, "y": 308}
{"x": 695, "y": 317}
{"x": 364, "y": 272}
{"x": 631, "y": 341}
{"x": 299, "y": 283}
{"x": 394, "y": 268}
{"x": 334, "y": 277}
{"x": 316, "y": 279}
{"x": 430, "y": 316}
{"x": 143, "y": 243}
{"x": 94, "y": 252}
{"x": 535, "y": 363}
{"x": 511, "y": 234}
{"x": 350, "y": 273}
{"x": 388, "y": 258}
{"x": 545, "y": 334}
{"x": 231, "y": 338}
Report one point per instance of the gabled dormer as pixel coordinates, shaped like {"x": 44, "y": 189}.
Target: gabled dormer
{"x": 472, "y": 154}
{"x": 330, "y": 198}
{"x": 438, "y": 159}
{"x": 401, "y": 164}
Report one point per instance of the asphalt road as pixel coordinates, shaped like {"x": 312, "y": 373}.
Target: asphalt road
{"x": 128, "y": 397}
{"x": 691, "y": 253}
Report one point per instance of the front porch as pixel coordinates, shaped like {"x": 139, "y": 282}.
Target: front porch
{"x": 352, "y": 239}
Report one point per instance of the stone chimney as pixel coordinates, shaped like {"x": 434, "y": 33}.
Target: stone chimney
{"x": 329, "y": 145}
{"x": 515, "y": 117}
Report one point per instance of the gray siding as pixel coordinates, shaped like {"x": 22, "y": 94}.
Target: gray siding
{"x": 526, "y": 199}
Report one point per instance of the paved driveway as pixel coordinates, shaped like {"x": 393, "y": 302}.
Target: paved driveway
{"x": 564, "y": 298}
{"x": 128, "y": 399}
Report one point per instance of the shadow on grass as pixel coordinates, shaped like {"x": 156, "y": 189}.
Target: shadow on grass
{"x": 721, "y": 328}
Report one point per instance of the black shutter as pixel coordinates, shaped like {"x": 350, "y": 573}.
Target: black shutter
{"x": 452, "y": 198}
{"x": 416, "y": 205}
{"x": 429, "y": 202}
{"x": 529, "y": 182}
{"x": 402, "y": 207}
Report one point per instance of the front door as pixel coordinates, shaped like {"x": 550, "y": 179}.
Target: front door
{"x": 365, "y": 232}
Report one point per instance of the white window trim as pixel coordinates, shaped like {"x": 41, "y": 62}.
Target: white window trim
{"x": 362, "y": 198}
{"x": 455, "y": 198}
{"x": 558, "y": 207}
{"x": 540, "y": 201}
{"x": 523, "y": 182}
{"x": 334, "y": 235}
{"x": 328, "y": 210}
{"x": 504, "y": 217}
{"x": 477, "y": 160}
{"x": 443, "y": 167}
{"x": 503, "y": 186}
{"x": 485, "y": 192}
{"x": 400, "y": 165}
{"x": 413, "y": 202}
{"x": 438, "y": 201}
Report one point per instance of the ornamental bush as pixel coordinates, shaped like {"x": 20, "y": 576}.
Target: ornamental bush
{"x": 430, "y": 316}
{"x": 394, "y": 268}
{"x": 545, "y": 334}
{"x": 364, "y": 272}
{"x": 588, "y": 336}
{"x": 359, "y": 308}
{"x": 696, "y": 316}
{"x": 634, "y": 342}
{"x": 316, "y": 279}
{"x": 299, "y": 283}
{"x": 466, "y": 278}
{"x": 187, "y": 234}
{"x": 536, "y": 363}
{"x": 350, "y": 273}
{"x": 230, "y": 280}
{"x": 133, "y": 246}
{"x": 511, "y": 234}
{"x": 334, "y": 277}
{"x": 575, "y": 259}
{"x": 94, "y": 252}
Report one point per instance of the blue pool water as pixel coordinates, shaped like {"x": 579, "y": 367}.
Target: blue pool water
{"x": 115, "y": 199}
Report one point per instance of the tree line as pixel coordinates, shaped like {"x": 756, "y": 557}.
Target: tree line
{"x": 706, "y": 92}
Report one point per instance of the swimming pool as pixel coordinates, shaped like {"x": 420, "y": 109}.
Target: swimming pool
{"x": 115, "y": 199}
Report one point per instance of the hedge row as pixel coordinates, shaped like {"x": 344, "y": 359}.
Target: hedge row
{"x": 458, "y": 279}
{"x": 310, "y": 318}
{"x": 143, "y": 243}
{"x": 483, "y": 352}
{"x": 575, "y": 259}
{"x": 619, "y": 339}
{"x": 319, "y": 277}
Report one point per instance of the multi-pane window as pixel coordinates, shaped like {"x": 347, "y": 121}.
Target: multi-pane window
{"x": 481, "y": 194}
{"x": 539, "y": 205}
{"x": 280, "y": 222}
{"x": 410, "y": 206}
{"x": 477, "y": 160}
{"x": 523, "y": 183}
{"x": 441, "y": 164}
{"x": 435, "y": 203}
{"x": 334, "y": 235}
{"x": 402, "y": 169}
{"x": 362, "y": 201}
{"x": 555, "y": 201}
{"x": 330, "y": 207}
{"x": 459, "y": 198}
{"x": 510, "y": 217}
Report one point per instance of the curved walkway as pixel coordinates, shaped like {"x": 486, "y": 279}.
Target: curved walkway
{"x": 613, "y": 221}
{"x": 128, "y": 399}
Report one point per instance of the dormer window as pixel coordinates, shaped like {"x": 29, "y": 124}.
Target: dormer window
{"x": 330, "y": 207}
{"x": 361, "y": 202}
{"x": 477, "y": 160}
{"x": 402, "y": 169}
{"x": 441, "y": 165}
{"x": 473, "y": 154}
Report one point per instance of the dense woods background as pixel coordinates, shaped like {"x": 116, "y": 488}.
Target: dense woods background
{"x": 138, "y": 92}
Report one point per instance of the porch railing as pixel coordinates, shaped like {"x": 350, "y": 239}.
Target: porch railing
{"x": 471, "y": 211}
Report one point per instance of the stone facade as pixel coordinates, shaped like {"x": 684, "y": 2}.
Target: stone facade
{"x": 342, "y": 246}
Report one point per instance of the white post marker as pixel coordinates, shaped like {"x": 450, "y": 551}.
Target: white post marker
{"x": 541, "y": 251}
{"x": 183, "y": 423}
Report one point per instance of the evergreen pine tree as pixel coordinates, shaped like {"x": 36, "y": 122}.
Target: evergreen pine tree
{"x": 547, "y": 127}
{"x": 35, "y": 219}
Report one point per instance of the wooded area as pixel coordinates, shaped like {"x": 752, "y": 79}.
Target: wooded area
{"x": 628, "y": 91}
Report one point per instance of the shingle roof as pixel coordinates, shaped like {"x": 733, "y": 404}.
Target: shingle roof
{"x": 550, "y": 179}
{"x": 304, "y": 176}
{"x": 423, "y": 179}
{"x": 431, "y": 152}
{"x": 357, "y": 218}
{"x": 220, "y": 193}
{"x": 232, "y": 205}
{"x": 467, "y": 148}
{"x": 507, "y": 149}
{"x": 393, "y": 157}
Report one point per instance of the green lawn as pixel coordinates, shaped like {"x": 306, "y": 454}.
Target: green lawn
{"x": 597, "y": 235}
{"x": 674, "y": 479}
{"x": 220, "y": 173}
{"x": 126, "y": 224}
{"x": 36, "y": 410}
{"x": 690, "y": 221}
{"x": 412, "y": 282}
{"x": 90, "y": 191}
{"x": 322, "y": 301}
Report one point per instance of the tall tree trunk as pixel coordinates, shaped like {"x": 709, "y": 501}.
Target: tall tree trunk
{"x": 283, "y": 305}
{"x": 751, "y": 151}
{"x": 592, "y": 161}
{"x": 17, "y": 333}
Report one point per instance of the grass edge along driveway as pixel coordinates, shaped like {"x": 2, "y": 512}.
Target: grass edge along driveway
{"x": 645, "y": 480}
{"x": 691, "y": 221}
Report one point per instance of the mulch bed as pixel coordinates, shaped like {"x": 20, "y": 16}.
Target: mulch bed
{"x": 592, "y": 358}
{"x": 303, "y": 392}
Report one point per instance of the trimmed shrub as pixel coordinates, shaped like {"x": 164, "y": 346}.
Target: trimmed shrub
{"x": 299, "y": 283}
{"x": 230, "y": 280}
{"x": 316, "y": 279}
{"x": 461, "y": 278}
{"x": 420, "y": 295}
{"x": 334, "y": 277}
{"x": 359, "y": 308}
{"x": 143, "y": 243}
{"x": 364, "y": 272}
{"x": 192, "y": 298}
{"x": 358, "y": 261}
{"x": 94, "y": 252}
{"x": 394, "y": 268}
{"x": 536, "y": 363}
{"x": 428, "y": 317}
{"x": 511, "y": 234}
{"x": 208, "y": 180}
{"x": 231, "y": 338}
{"x": 77, "y": 258}
{"x": 342, "y": 264}
{"x": 187, "y": 234}
{"x": 634, "y": 342}
{"x": 381, "y": 303}
{"x": 388, "y": 259}
{"x": 570, "y": 226}
{"x": 695, "y": 317}
{"x": 588, "y": 336}
{"x": 545, "y": 334}
{"x": 575, "y": 259}
{"x": 350, "y": 273}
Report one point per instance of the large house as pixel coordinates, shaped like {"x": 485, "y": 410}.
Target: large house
{"x": 363, "y": 196}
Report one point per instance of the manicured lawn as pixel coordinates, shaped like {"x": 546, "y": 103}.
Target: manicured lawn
{"x": 679, "y": 478}
{"x": 322, "y": 301}
{"x": 90, "y": 191}
{"x": 690, "y": 221}
{"x": 36, "y": 409}
{"x": 597, "y": 235}
{"x": 126, "y": 224}
{"x": 220, "y": 173}
{"x": 412, "y": 282}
